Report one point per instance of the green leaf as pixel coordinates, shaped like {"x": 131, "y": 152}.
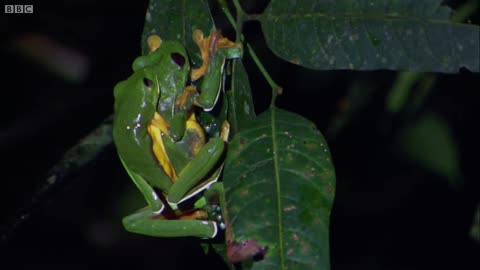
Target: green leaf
{"x": 241, "y": 110}
{"x": 429, "y": 143}
{"x": 370, "y": 34}
{"x": 279, "y": 184}
{"x": 176, "y": 20}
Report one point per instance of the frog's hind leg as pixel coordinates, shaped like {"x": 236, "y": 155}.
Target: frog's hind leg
{"x": 144, "y": 222}
{"x": 147, "y": 191}
{"x": 203, "y": 163}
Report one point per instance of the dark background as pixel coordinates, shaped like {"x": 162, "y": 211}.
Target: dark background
{"x": 388, "y": 214}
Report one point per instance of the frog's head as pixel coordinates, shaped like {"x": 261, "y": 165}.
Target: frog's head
{"x": 170, "y": 63}
{"x": 168, "y": 57}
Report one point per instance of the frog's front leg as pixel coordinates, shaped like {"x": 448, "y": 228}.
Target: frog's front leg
{"x": 154, "y": 202}
{"x": 212, "y": 81}
{"x": 215, "y": 50}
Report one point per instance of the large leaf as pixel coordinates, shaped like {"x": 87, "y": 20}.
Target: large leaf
{"x": 370, "y": 34}
{"x": 176, "y": 20}
{"x": 279, "y": 185}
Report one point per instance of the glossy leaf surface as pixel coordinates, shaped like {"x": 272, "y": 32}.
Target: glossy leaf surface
{"x": 370, "y": 34}
{"x": 279, "y": 185}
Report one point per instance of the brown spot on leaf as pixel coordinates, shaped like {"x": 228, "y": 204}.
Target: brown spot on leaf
{"x": 238, "y": 252}
{"x": 311, "y": 146}
{"x": 304, "y": 248}
{"x": 244, "y": 192}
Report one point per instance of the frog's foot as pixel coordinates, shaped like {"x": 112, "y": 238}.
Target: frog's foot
{"x": 208, "y": 47}
{"x": 196, "y": 133}
{"x": 186, "y": 99}
{"x": 154, "y": 42}
{"x": 225, "y": 131}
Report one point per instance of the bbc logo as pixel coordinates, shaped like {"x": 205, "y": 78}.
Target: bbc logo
{"x": 18, "y": 8}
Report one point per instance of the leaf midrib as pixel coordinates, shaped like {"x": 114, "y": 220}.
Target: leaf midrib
{"x": 277, "y": 181}
{"x": 356, "y": 16}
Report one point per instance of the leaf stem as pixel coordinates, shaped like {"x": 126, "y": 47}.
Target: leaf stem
{"x": 240, "y": 17}
{"x": 237, "y": 25}
{"x": 276, "y": 89}
{"x": 226, "y": 11}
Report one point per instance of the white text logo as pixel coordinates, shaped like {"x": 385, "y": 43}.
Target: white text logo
{"x": 18, "y": 8}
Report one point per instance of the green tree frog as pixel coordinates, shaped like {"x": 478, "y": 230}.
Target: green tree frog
{"x": 159, "y": 141}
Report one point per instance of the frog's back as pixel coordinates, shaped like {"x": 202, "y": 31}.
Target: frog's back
{"x": 132, "y": 114}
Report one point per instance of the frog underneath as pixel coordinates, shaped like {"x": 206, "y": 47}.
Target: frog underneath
{"x": 158, "y": 139}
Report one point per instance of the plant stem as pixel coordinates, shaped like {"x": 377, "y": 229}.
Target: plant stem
{"x": 226, "y": 11}
{"x": 276, "y": 90}
{"x": 237, "y": 24}
{"x": 240, "y": 17}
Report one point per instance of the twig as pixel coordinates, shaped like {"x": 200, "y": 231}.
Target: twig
{"x": 73, "y": 162}
{"x": 237, "y": 26}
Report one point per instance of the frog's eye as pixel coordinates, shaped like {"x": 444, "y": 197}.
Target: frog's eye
{"x": 178, "y": 59}
{"x": 147, "y": 82}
